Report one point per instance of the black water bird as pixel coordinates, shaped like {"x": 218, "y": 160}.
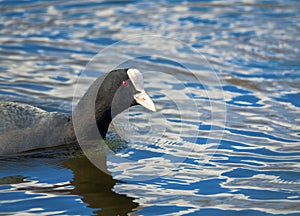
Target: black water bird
{"x": 24, "y": 127}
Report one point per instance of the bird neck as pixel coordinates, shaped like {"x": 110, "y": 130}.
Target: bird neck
{"x": 103, "y": 120}
{"x": 99, "y": 108}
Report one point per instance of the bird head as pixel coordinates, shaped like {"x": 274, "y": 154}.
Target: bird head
{"x": 131, "y": 92}
{"x": 119, "y": 90}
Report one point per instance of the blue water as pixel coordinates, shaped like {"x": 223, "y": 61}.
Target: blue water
{"x": 226, "y": 144}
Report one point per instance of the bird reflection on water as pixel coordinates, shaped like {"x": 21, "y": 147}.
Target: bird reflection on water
{"x": 96, "y": 188}
{"x": 93, "y": 187}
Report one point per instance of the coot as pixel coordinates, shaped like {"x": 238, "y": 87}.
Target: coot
{"x": 24, "y": 127}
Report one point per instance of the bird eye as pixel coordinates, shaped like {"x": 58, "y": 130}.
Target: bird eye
{"x": 124, "y": 83}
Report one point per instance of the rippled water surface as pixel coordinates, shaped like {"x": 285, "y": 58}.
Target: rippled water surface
{"x": 227, "y": 145}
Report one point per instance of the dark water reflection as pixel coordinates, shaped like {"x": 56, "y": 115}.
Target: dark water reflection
{"x": 58, "y": 185}
{"x": 96, "y": 188}
{"x": 253, "y": 46}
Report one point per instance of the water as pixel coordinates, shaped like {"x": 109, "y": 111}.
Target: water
{"x": 245, "y": 161}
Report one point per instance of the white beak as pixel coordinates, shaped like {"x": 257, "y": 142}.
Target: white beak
{"x": 144, "y": 100}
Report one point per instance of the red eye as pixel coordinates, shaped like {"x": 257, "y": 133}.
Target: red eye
{"x": 124, "y": 83}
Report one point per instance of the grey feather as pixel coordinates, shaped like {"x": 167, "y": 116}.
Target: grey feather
{"x": 24, "y": 127}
